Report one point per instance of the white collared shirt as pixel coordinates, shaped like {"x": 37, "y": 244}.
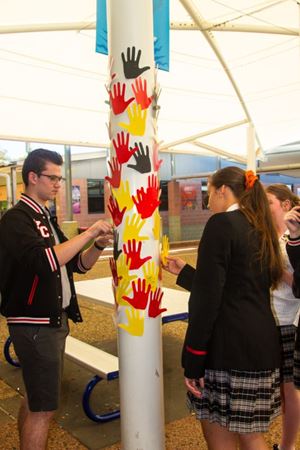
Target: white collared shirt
{"x": 233, "y": 207}
{"x": 65, "y": 283}
{"x": 284, "y": 304}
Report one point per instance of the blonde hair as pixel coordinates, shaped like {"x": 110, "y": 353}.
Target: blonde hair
{"x": 283, "y": 193}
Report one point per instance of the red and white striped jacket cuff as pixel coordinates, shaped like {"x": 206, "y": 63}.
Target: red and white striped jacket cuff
{"x": 29, "y": 320}
{"x": 80, "y": 265}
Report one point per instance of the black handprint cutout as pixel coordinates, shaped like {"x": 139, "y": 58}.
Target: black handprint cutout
{"x": 131, "y": 66}
{"x": 142, "y": 159}
{"x": 117, "y": 252}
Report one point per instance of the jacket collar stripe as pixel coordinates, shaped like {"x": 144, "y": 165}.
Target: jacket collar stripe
{"x": 294, "y": 243}
{"x": 31, "y": 203}
{"x": 51, "y": 259}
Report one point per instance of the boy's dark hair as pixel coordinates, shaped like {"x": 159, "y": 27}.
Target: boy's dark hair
{"x": 36, "y": 161}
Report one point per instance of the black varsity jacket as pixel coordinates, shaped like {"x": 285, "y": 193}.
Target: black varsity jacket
{"x": 30, "y": 278}
{"x": 293, "y": 251}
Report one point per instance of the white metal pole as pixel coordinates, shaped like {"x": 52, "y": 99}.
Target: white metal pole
{"x": 251, "y": 153}
{"x": 132, "y": 128}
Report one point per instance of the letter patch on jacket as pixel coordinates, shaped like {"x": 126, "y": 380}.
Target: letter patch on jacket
{"x": 42, "y": 229}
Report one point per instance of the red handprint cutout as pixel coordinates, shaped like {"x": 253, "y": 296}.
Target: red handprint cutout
{"x": 115, "y": 169}
{"x": 117, "y": 99}
{"x": 122, "y": 147}
{"x": 114, "y": 271}
{"x": 116, "y": 214}
{"x": 147, "y": 202}
{"x": 140, "y": 294}
{"x": 156, "y": 162}
{"x": 155, "y": 301}
{"x": 140, "y": 91}
{"x": 133, "y": 254}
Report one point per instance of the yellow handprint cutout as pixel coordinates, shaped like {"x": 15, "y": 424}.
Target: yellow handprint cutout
{"x": 135, "y": 324}
{"x": 164, "y": 249}
{"x": 123, "y": 268}
{"x": 137, "y": 120}
{"x": 123, "y": 196}
{"x": 156, "y": 225}
{"x": 133, "y": 227}
{"x": 123, "y": 288}
{"x": 151, "y": 271}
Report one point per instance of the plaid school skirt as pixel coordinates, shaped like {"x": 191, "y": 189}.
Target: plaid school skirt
{"x": 241, "y": 401}
{"x": 287, "y": 338}
{"x": 297, "y": 368}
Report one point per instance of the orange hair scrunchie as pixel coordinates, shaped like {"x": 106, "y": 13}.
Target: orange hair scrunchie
{"x": 250, "y": 179}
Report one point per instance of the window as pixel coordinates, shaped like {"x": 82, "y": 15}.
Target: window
{"x": 205, "y": 196}
{"x": 164, "y": 196}
{"x": 95, "y": 190}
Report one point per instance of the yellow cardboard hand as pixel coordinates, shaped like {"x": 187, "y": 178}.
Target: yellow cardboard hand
{"x": 123, "y": 268}
{"x": 135, "y": 325}
{"x": 133, "y": 227}
{"x": 137, "y": 120}
{"x": 156, "y": 226}
{"x": 151, "y": 271}
{"x": 123, "y": 196}
{"x": 122, "y": 289}
{"x": 164, "y": 249}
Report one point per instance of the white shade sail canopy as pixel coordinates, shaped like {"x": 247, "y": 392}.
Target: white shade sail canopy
{"x": 231, "y": 62}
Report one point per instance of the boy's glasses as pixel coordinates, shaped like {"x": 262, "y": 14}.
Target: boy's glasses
{"x": 53, "y": 178}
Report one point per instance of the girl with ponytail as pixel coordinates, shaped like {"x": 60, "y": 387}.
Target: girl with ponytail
{"x": 231, "y": 353}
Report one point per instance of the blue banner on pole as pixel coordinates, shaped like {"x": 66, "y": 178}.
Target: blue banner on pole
{"x": 101, "y": 28}
{"x": 161, "y": 25}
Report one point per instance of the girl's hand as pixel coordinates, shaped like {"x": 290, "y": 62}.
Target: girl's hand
{"x": 174, "y": 264}
{"x": 195, "y": 386}
{"x": 292, "y": 221}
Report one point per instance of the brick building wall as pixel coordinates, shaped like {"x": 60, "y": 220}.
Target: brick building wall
{"x": 184, "y": 220}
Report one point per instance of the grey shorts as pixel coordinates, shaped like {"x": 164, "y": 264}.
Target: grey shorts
{"x": 40, "y": 350}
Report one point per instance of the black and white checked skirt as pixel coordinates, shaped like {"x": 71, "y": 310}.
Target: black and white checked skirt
{"x": 241, "y": 401}
{"x": 297, "y": 368}
{"x": 287, "y": 337}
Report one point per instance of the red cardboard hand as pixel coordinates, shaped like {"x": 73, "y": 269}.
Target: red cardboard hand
{"x": 114, "y": 272}
{"x": 115, "y": 169}
{"x": 147, "y": 201}
{"x": 122, "y": 147}
{"x": 140, "y": 294}
{"x": 156, "y": 162}
{"x": 133, "y": 253}
{"x": 140, "y": 91}
{"x": 116, "y": 214}
{"x": 154, "y": 305}
{"x": 117, "y": 99}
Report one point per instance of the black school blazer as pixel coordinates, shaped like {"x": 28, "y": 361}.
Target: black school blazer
{"x": 231, "y": 325}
